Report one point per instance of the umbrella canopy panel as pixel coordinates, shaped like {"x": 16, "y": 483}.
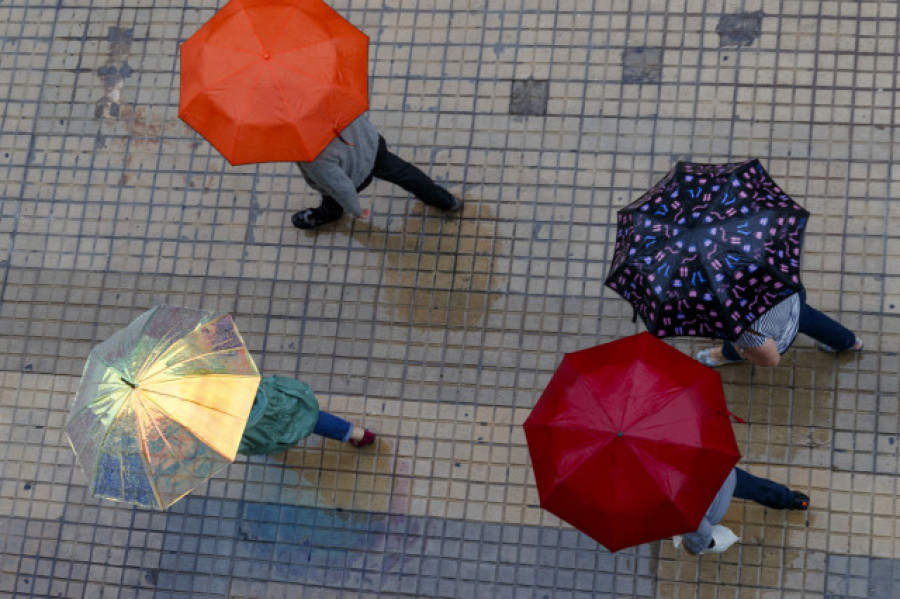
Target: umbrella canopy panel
{"x": 708, "y": 250}
{"x": 162, "y": 405}
{"x": 631, "y": 441}
{"x": 273, "y": 80}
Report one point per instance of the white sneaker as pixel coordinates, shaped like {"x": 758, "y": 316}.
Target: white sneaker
{"x": 723, "y": 537}
{"x": 857, "y": 346}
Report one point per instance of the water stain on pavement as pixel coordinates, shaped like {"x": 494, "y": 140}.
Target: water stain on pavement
{"x": 144, "y": 129}
{"x": 529, "y": 97}
{"x": 642, "y": 65}
{"x": 740, "y": 29}
{"x": 380, "y": 479}
{"x": 297, "y": 541}
{"x": 437, "y": 271}
{"x": 114, "y": 72}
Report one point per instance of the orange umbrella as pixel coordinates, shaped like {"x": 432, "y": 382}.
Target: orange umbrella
{"x": 273, "y": 80}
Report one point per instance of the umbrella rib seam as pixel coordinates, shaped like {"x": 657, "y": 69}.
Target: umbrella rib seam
{"x": 145, "y": 451}
{"x": 223, "y": 78}
{"x": 159, "y": 350}
{"x": 239, "y": 123}
{"x": 93, "y": 400}
{"x": 211, "y": 408}
{"x": 146, "y": 377}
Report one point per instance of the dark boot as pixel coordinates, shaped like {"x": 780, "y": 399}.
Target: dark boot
{"x": 326, "y": 212}
{"x": 799, "y": 501}
{"x": 448, "y": 202}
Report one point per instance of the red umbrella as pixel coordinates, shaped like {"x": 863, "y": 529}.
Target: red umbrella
{"x": 631, "y": 441}
{"x": 273, "y": 80}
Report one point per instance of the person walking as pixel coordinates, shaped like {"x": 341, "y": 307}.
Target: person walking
{"x": 285, "y": 411}
{"x": 774, "y": 332}
{"x": 346, "y": 167}
{"x": 743, "y": 485}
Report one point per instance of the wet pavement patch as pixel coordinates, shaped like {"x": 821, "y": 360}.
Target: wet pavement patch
{"x": 111, "y": 73}
{"x": 250, "y": 545}
{"x": 741, "y": 29}
{"x": 529, "y": 97}
{"x": 884, "y": 578}
{"x": 114, "y": 72}
{"x": 438, "y": 272}
{"x": 642, "y": 65}
{"x": 119, "y": 39}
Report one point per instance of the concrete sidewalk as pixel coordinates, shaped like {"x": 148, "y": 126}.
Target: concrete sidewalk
{"x": 440, "y": 331}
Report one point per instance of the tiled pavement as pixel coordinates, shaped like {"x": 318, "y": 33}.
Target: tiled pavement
{"x": 440, "y": 332}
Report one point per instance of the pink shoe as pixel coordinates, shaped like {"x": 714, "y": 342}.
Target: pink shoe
{"x": 367, "y": 439}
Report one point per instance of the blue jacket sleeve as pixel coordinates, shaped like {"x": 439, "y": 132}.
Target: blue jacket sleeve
{"x": 698, "y": 542}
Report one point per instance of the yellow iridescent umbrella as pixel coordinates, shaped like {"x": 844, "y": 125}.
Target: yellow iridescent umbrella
{"x": 162, "y": 406}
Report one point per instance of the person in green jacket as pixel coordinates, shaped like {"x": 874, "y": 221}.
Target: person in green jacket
{"x": 286, "y": 411}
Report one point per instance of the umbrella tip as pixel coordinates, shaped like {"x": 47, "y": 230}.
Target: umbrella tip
{"x": 127, "y": 382}
{"x": 337, "y": 132}
{"x": 620, "y": 434}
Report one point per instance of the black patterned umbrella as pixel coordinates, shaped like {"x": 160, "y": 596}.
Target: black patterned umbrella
{"x": 708, "y": 250}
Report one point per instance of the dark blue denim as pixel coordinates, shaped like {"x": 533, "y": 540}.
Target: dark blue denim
{"x": 332, "y": 427}
{"x": 762, "y": 490}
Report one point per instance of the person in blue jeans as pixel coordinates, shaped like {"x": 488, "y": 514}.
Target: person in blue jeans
{"x": 774, "y": 332}
{"x": 743, "y": 485}
{"x": 285, "y": 411}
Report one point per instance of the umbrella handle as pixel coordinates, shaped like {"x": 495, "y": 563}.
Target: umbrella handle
{"x": 633, "y": 314}
{"x": 341, "y": 137}
{"x": 337, "y": 132}
{"x": 735, "y": 416}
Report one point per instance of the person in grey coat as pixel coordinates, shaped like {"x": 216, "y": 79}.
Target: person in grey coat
{"x": 743, "y": 485}
{"x": 347, "y": 165}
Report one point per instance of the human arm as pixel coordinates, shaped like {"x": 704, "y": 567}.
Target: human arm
{"x": 697, "y": 542}
{"x": 329, "y": 178}
{"x": 762, "y": 355}
{"x": 770, "y": 334}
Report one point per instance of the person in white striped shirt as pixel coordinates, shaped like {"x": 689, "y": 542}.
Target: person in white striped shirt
{"x": 774, "y": 332}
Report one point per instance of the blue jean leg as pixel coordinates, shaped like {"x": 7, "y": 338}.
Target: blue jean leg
{"x": 823, "y": 328}
{"x": 762, "y": 490}
{"x": 332, "y": 427}
{"x": 729, "y": 352}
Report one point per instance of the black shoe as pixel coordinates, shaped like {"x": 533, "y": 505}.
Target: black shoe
{"x": 445, "y": 201}
{"x": 455, "y": 205}
{"x": 800, "y": 501}
{"x": 312, "y": 218}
